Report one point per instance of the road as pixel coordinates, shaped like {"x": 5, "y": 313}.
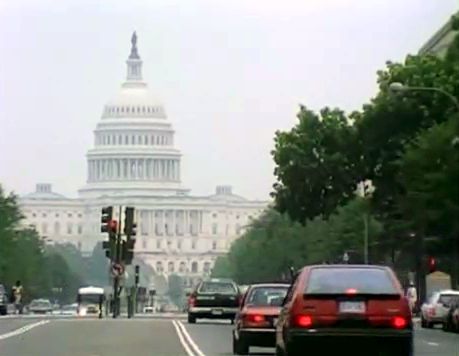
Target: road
{"x": 151, "y": 336}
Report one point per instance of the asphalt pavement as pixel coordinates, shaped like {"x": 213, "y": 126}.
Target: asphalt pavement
{"x": 54, "y": 336}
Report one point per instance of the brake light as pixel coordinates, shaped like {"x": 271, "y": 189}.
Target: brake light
{"x": 399, "y": 322}
{"x": 255, "y": 318}
{"x": 351, "y": 291}
{"x": 303, "y": 321}
{"x": 192, "y": 301}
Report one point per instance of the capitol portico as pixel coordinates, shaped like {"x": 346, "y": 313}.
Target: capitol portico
{"x": 134, "y": 162}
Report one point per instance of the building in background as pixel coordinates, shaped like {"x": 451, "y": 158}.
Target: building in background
{"x": 134, "y": 162}
{"x": 438, "y": 44}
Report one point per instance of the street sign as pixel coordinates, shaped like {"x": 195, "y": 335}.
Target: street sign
{"x": 117, "y": 269}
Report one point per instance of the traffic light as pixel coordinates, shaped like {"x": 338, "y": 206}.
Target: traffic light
{"x": 109, "y": 247}
{"x": 137, "y": 269}
{"x": 128, "y": 251}
{"x": 106, "y": 219}
{"x": 432, "y": 264}
{"x": 130, "y": 227}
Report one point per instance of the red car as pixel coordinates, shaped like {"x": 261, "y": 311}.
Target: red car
{"x": 255, "y": 323}
{"x": 345, "y": 310}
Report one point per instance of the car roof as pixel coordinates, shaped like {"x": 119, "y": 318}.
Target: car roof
{"x": 347, "y": 266}
{"x": 218, "y": 280}
{"x": 449, "y": 291}
{"x": 269, "y": 285}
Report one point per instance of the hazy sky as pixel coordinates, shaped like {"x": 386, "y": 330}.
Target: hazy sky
{"x": 230, "y": 73}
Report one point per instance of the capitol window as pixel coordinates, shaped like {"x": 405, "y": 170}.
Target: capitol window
{"x": 148, "y": 109}
{"x": 57, "y": 228}
{"x": 80, "y": 229}
{"x": 69, "y": 228}
{"x": 214, "y": 229}
{"x": 44, "y": 228}
{"x": 139, "y": 139}
{"x": 193, "y": 245}
{"x": 132, "y": 140}
{"x": 128, "y": 110}
{"x": 179, "y": 244}
{"x": 144, "y": 244}
{"x": 238, "y": 229}
{"x": 122, "y": 109}
{"x": 143, "y": 109}
{"x": 126, "y": 140}
{"x": 214, "y": 245}
{"x": 145, "y": 138}
{"x": 34, "y": 215}
{"x": 159, "y": 266}
{"x": 194, "y": 267}
{"x": 158, "y": 244}
{"x": 120, "y": 140}
{"x": 69, "y": 215}
{"x": 170, "y": 267}
{"x": 44, "y": 215}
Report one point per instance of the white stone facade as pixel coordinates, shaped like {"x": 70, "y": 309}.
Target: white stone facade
{"x": 135, "y": 163}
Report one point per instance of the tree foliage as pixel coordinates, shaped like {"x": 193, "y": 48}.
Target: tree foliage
{"x": 24, "y": 257}
{"x": 274, "y": 243}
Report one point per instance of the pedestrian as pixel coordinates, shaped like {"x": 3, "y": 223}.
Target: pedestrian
{"x": 412, "y": 297}
{"x": 17, "y": 296}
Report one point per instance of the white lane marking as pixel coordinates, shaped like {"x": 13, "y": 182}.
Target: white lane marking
{"x": 23, "y": 330}
{"x": 182, "y": 340}
{"x": 189, "y": 339}
{"x": 432, "y": 343}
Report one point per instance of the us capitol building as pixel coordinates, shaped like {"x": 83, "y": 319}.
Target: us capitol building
{"x": 134, "y": 162}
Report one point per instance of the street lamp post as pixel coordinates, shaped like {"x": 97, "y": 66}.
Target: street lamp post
{"x": 399, "y": 87}
{"x": 365, "y": 190}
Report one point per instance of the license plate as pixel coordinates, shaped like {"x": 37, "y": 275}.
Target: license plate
{"x": 217, "y": 312}
{"x": 352, "y": 307}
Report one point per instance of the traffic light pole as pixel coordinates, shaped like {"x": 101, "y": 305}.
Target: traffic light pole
{"x": 116, "y": 279}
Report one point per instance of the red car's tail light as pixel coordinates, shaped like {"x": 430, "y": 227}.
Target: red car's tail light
{"x": 192, "y": 301}
{"x": 303, "y": 321}
{"x": 351, "y": 291}
{"x": 399, "y": 322}
{"x": 255, "y": 318}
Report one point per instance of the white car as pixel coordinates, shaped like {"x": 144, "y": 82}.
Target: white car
{"x": 435, "y": 310}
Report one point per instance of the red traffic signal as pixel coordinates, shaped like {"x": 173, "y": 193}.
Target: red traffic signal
{"x": 432, "y": 264}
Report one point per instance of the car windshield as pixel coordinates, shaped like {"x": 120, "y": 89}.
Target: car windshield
{"x": 40, "y": 303}
{"x": 218, "y": 287}
{"x": 342, "y": 280}
{"x": 448, "y": 299}
{"x": 266, "y": 296}
{"x": 89, "y": 298}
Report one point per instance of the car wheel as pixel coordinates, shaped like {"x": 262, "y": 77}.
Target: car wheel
{"x": 3, "y": 311}
{"x": 191, "y": 319}
{"x": 423, "y": 322}
{"x": 240, "y": 347}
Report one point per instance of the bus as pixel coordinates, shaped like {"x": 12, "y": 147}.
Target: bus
{"x": 90, "y": 301}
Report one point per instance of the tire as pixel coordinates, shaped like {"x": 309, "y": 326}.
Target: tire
{"x": 3, "y": 310}
{"x": 423, "y": 322}
{"x": 240, "y": 347}
{"x": 191, "y": 319}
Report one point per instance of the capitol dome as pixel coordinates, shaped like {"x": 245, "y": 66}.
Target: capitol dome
{"x": 134, "y": 149}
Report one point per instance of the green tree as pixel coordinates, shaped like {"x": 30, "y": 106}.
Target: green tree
{"x": 317, "y": 164}
{"x": 98, "y": 267}
{"x": 222, "y": 268}
{"x": 429, "y": 172}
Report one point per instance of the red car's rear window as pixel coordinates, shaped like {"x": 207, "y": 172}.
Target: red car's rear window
{"x": 341, "y": 280}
